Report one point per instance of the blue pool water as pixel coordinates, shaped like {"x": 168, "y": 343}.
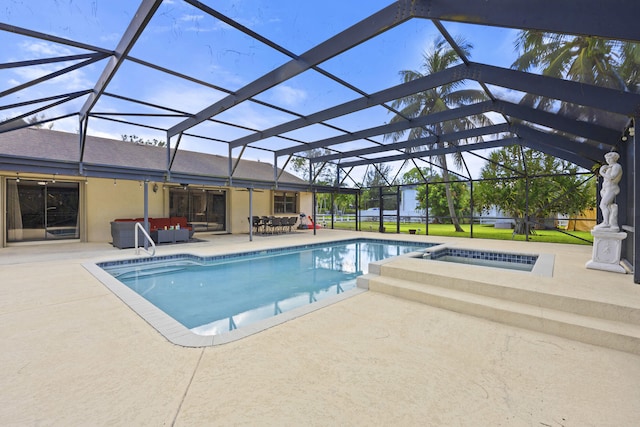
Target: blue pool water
{"x": 214, "y": 295}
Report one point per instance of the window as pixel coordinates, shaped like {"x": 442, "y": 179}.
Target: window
{"x": 285, "y": 203}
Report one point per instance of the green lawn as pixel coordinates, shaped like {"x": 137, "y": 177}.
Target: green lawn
{"x": 479, "y": 231}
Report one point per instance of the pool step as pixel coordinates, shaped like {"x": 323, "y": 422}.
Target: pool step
{"x": 139, "y": 273}
{"x": 127, "y": 271}
{"x": 615, "y": 334}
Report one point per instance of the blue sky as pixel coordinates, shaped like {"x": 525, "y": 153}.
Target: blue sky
{"x": 186, "y": 40}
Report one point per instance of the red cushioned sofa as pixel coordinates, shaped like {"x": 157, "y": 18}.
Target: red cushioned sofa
{"x": 122, "y": 229}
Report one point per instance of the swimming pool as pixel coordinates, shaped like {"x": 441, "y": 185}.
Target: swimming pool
{"x": 216, "y": 296}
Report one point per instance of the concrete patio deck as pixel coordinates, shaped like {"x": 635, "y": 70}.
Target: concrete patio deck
{"x": 74, "y": 354}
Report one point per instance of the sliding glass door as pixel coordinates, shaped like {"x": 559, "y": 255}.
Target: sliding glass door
{"x": 205, "y": 210}
{"x": 40, "y": 210}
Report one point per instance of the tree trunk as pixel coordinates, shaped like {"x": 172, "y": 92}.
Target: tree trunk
{"x": 520, "y": 227}
{"x": 447, "y": 191}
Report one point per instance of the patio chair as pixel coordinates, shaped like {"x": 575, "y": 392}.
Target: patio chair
{"x": 256, "y": 222}
{"x": 292, "y": 222}
{"x": 276, "y": 224}
{"x": 267, "y": 223}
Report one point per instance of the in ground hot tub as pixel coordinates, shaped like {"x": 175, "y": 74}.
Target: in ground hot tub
{"x": 540, "y": 264}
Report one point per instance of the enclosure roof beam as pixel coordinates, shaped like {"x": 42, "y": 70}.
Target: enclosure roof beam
{"x": 65, "y": 98}
{"x": 50, "y": 38}
{"x": 442, "y": 116}
{"x": 584, "y": 151}
{"x": 12, "y": 125}
{"x": 134, "y": 30}
{"x": 615, "y": 101}
{"x": 579, "y": 17}
{"x": 454, "y": 136}
{"x": 54, "y": 60}
{"x": 582, "y": 155}
{"x": 576, "y": 127}
{"x": 69, "y": 95}
{"x": 545, "y": 146}
{"x": 93, "y": 58}
{"x": 405, "y": 89}
{"x": 375, "y": 24}
{"x": 434, "y": 152}
{"x": 593, "y": 96}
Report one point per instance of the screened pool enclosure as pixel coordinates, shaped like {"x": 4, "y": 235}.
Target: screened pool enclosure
{"x": 326, "y": 94}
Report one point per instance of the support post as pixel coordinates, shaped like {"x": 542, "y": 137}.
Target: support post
{"x": 358, "y": 210}
{"x": 275, "y": 168}
{"x": 168, "y": 177}
{"x": 230, "y": 164}
{"x": 380, "y": 211}
{"x": 333, "y": 213}
{"x": 250, "y": 214}
{"x": 315, "y": 217}
{"x": 83, "y": 122}
{"x": 426, "y": 209}
{"x": 398, "y": 210}
{"x": 526, "y": 209}
{"x": 636, "y": 198}
{"x": 471, "y": 207}
{"x": 146, "y": 212}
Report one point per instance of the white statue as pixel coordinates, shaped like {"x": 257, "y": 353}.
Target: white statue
{"x": 611, "y": 174}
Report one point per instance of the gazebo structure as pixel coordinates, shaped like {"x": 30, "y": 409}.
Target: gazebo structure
{"x": 349, "y": 128}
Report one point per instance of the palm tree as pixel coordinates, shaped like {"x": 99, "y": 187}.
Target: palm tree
{"x": 586, "y": 59}
{"x": 442, "y": 98}
{"x": 630, "y": 66}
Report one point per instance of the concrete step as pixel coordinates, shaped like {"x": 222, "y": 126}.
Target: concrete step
{"x": 618, "y": 335}
{"x": 539, "y": 297}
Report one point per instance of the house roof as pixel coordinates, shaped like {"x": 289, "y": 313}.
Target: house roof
{"x": 138, "y": 161}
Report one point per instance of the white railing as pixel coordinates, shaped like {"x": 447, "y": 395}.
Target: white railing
{"x": 146, "y": 235}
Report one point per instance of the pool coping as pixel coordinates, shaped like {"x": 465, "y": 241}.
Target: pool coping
{"x": 178, "y": 334}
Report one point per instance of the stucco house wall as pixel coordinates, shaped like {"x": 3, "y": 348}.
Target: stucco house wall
{"x": 104, "y": 199}
{"x": 107, "y": 200}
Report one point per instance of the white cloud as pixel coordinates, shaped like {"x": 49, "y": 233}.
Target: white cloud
{"x": 110, "y": 37}
{"x": 288, "y": 96}
{"x": 44, "y": 49}
{"x": 246, "y": 114}
{"x": 506, "y": 94}
{"x": 71, "y": 81}
{"x": 182, "y": 97}
{"x": 191, "y": 18}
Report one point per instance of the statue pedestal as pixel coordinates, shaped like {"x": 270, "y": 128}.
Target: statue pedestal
{"x": 606, "y": 251}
